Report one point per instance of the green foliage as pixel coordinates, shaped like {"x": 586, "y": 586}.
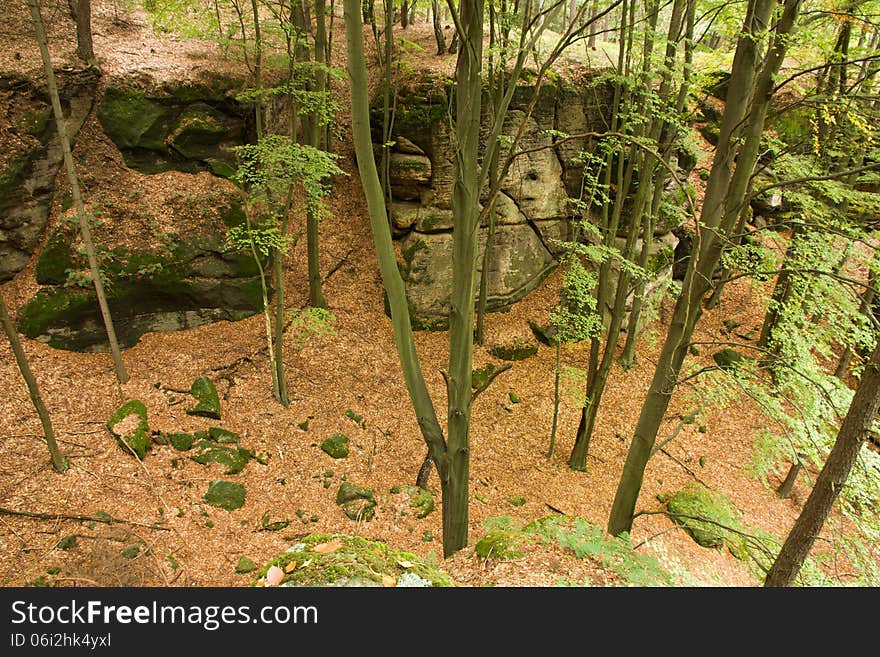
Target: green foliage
{"x": 587, "y": 540}
{"x": 306, "y": 323}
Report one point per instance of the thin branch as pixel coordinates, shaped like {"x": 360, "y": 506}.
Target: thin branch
{"x": 110, "y": 520}
{"x": 481, "y": 388}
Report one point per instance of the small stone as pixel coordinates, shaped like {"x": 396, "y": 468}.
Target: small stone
{"x": 225, "y": 494}
{"x": 205, "y": 392}
{"x": 181, "y": 441}
{"x": 336, "y": 446}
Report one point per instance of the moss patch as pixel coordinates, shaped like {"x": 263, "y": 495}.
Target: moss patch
{"x": 205, "y": 392}
{"x": 225, "y": 495}
{"x": 705, "y": 514}
{"x": 336, "y": 446}
{"x": 499, "y": 544}
{"x": 516, "y": 350}
{"x": 420, "y": 501}
{"x": 181, "y": 441}
{"x": 352, "y": 561}
{"x": 357, "y": 503}
{"x": 55, "y": 259}
{"x": 129, "y": 426}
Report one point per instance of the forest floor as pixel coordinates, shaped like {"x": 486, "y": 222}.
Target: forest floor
{"x": 355, "y": 367}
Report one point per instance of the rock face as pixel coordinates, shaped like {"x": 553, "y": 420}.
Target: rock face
{"x": 188, "y": 127}
{"x": 533, "y": 214}
{"x": 32, "y": 158}
{"x": 181, "y": 284}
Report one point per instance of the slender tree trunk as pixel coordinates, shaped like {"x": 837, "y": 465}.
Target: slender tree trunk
{"x": 725, "y": 193}
{"x": 438, "y": 27}
{"x": 466, "y": 219}
{"x": 785, "y": 488}
{"x": 58, "y": 461}
{"x": 391, "y": 278}
{"x": 316, "y": 288}
{"x": 81, "y": 12}
{"x": 552, "y": 447}
{"x": 831, "y": 480}
{"x": 61, "y": 126}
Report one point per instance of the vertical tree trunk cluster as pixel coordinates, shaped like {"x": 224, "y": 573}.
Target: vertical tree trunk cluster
{"x": 749, "y": 93}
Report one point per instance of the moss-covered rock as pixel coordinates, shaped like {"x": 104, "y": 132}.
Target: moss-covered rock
{"x": 225, "y": 436}
{"x": 499, "y": 544}
{"x": 205, "y": 392}
{"x": 336, "y": 446}
{"x": 181, "y": 441}
{"x": 357, "y": 503}
{"x": 225, "y": 495}
{"x": 340, "y": 560}
{"x": 132, "y": 120}
{"x": 728, "y": 359}
{"x": 234, "y": 458}
{"x": 513, "y": 351}
{"x": 546, "y": 335}
{"x": 129, "y": 426}
{"x": 55, "y": 259}
{"x": 421, "y": 501}
{"x": 706, "y": 516}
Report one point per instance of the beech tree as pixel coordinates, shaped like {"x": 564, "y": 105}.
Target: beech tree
{"x": 81, "y": 13}
{"x": 856, "y": 425}
{"x": 748, "y": 98}
{"x": 61, "y": 127}
{"x": 58, "y": 461}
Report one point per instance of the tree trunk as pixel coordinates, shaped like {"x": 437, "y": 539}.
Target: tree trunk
{"x": 833, "y": 477}
{"x": 61, "y": 127}
{"x": 466, "y": 218}
{"x": 58, "y": 461}
{"x": 391, "y": 278}
{"x": 723, "y": 200}
{"x": 81, "y": 12}
{"x": 785, "y": 488}
{"x": 438, "y": 27}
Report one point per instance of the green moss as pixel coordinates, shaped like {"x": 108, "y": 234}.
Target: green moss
{"x": 132, "y": 120}
{"x": 56, "y": 258}
{"x": 234, "y": 458}
{"x": 220, "y": 435}
{"x": 499, "y": 544}
{"x": 356, "y": 562}
{"x": 519, "y": 500}
{"x": 136, "y": 439}
{"x": 181, "y": 441}
{"x": 205, "y": 392}
{"x": 225, "y": 495}
{"x": 66, "y": 543}
{"x": 420, "y": 501}
{"x": 587, "y": 540}
{"x": 336, "y": 446}
{"x": 516, "y": 350}
{"x": 16, "y": 170}
{"x": 245, "y": 565}
{"x": 233, "y": 214}
{"x": 357, "y": 503}
{"x": 705, "y": 515}
{"x": 661, "y": 258}
{"x": 728, "y": 359}
{"x": 36, "y": 122}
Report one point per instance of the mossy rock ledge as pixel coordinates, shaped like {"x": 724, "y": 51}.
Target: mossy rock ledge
{"x": 351, "y": 561}
{"x": 194, "y": 282}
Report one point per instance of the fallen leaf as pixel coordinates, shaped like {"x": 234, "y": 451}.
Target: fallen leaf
{"x": 290, "y": 567}
{"x": 405, "y": 564}
{"x": 306, "y": 564}
{"x": 328, "y": 547}
{"x": 388, "y": 581}
{"x": 274, "y": 576}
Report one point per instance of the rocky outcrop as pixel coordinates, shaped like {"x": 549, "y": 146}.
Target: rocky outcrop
{"x": 533, "y": 211}
{"x": 192, "y": 281}
{"x": 187, "y": 127}
{"x": 32, "y": 158}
